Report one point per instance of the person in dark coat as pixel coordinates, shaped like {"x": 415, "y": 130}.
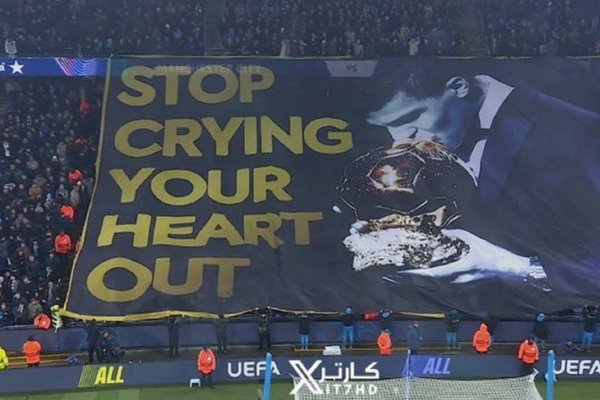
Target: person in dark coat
{"x": 173, "y": 327}
{"x": 264, "y": 331}
{"x": 103, "y": 348}
{"x": 452, "y": 322}
{"x": 414, "y": 339}
{"x": 304, "y": 330}
{"x": 492, "y": 323}
{"x": 348, "y": 318}
{"x": 385, "y": 320}
{"x": 221, "y": 333}
{"x": 590, "y": 321}
{"x": 541, "y": 331}
{"x": 93, "y": 335}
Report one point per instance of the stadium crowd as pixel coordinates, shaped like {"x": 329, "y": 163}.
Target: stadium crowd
{"x": 302, "y": 28}
{"x": 360, "y": 28}
{"x": 542, "y": 27}
{"x": 101, "y": 28}
{"x": 49, "y": 128}
{"x": 48, "y": 134}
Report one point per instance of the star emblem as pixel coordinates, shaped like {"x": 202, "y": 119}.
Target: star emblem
{"x": 17, "y": 68}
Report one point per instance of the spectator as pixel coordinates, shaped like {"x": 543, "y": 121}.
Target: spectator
{"x": 34, "y": 309}
{"x": 20, "y": 315}
{"x": 109, "y": 350}
{"x": 413, "y": 46}
{"x": 104, "y": 348}
{"x": 590, "y": 320}
{"x": 67, "y": 212}
{"x": 75, "y": 176}
{"x": 221, "y": 333}
{"x": 5, "y": 315}
{"x": 348, "y": 328}
{"x": 264, "y": 331}
{"x": 452, "y": 322}
{"x": 414, "y": 338}
{"x": 93, "y": 337}
{"x": 32, "y": 351}
{"x": 541, "y": 331}
{"x": 492, "y": 323}
{"x": 10, "y": 47}
{"x": 173, "y": 328}
{"x": 358, "y": 50}
{"x": 41, "y": 321}
{"x": 385, "y": 320}
{"x": 304, "y": 330}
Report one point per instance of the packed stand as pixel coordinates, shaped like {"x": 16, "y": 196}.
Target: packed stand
{"x": 49, "y": 134}
{"x": 358, "y": 28}
{"x": 102, "y": 28}
{"x": 542, "y": 27}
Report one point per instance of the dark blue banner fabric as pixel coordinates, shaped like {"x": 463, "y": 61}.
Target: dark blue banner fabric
{"x": 312, "y": 185}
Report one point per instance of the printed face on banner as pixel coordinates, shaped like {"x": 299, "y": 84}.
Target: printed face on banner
{"x": 222, "y": 188}
{"x": 443, "y": 118}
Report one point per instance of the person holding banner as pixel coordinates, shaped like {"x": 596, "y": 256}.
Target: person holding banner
{"x": 207, "y": 363}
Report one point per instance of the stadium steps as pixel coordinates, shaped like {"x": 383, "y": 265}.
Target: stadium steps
{"x": 48, "y": 360}
{"x": 474, "y": 29}
{"x": 213, "y": 11}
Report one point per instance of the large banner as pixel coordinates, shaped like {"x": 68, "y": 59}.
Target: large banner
{"x": 420, "y": 186}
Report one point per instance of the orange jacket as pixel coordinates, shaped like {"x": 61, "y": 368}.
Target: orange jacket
{"x": 32, "y": 350}
{"x": 62, "y": 244}
{"x": 481, "y": 339}
{"x": 42, "y": 321}
{"x": 529, "y": 353}
{"x": 384, "y": 342}
{"x": 206, "y": 361}
{"x": 67, "y": 212}
{"x": 75, "y": 176}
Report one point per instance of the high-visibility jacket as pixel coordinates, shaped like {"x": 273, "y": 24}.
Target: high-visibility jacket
{"x": 206, "y": 361}
{"x": 75, "y": 176}
{"x": 62, "y": 244}
{"x": 384, "y": 342}
{"x": 481, "y": 339}
{"x": 3, "y": 359}
{"x": 32, "y": 350}
{"x": 67, "y": 212}
{"x": 42, "y": 322}
{"x": 529, "y": 353}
